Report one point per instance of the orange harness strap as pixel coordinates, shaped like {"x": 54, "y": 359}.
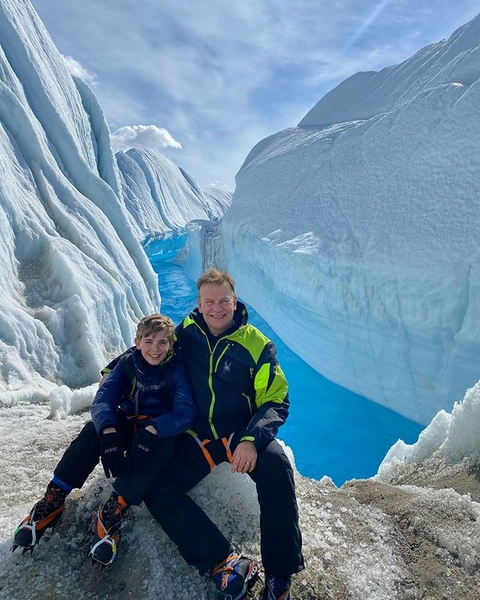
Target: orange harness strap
{"x": 208, "y": 457}
{"x": 206, "y": 453}
{"x": 226, "y": 442}
{"x": 137, "y": 418}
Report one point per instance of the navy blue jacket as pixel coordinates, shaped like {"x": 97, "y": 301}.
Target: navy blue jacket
{"x": 162, "y": 393}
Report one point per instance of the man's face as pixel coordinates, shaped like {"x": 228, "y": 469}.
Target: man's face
{"x": 154, "y": 347}
{"x": 217, "y": 303}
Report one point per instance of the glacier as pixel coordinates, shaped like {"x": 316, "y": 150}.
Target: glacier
{"x": 354, "y": 234}
{"x": 76, "y": 277}
{"x": 79, "y": 227}
{"x": 364, "y": 221}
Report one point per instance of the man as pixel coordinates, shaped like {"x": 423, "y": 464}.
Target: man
{"x": 241, "y": 396}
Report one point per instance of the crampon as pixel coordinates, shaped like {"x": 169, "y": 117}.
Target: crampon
{"x": 237, "y": 578}
{"x": 255, "y": 584}
{"x": 30, "y": 532}
{"x": 105, "y": 526}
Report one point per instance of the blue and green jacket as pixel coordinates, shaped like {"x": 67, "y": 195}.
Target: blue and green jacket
{"x": 239, "y": 386}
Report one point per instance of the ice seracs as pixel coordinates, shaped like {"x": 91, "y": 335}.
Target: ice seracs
{"x": 354, "y": 234}
{"x": 365, "y": 221}
{"x": 75, "y": 276}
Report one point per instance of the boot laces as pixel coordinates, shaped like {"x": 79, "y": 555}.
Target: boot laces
{"x": 111, "y": 514}
{"x": 53, "y": 499}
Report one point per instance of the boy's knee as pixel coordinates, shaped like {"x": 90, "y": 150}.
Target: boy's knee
{"x": 89, "y": 431}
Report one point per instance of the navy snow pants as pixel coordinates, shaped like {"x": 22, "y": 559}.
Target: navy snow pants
{"x": 83, "y": 455}
{"x": 199, "y": 540}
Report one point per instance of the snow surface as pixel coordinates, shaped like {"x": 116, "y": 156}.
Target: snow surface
{"x": 369, "y": 540}
{"x": 365, "y": 220}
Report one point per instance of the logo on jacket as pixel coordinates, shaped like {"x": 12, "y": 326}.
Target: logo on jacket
{"x": 227, "y": 365}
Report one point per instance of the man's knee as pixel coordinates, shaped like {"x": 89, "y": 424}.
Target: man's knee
{"x": 274, "y": 458}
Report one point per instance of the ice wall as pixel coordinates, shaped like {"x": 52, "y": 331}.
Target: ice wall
{"x": 162, "y": 197}
{"x": 75, "y": 278}
{"x": 365, "y": 221}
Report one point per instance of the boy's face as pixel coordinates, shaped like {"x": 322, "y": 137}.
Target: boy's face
{"x": 217, "y": 303}
{"x": 154, "y": 347}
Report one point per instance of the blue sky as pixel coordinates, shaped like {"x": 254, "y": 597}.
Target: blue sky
{"x": 204, "y": 81}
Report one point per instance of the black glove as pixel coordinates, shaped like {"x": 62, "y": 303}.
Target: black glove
{"x": 111, "y": 453}
{"x": 141, "y": 449}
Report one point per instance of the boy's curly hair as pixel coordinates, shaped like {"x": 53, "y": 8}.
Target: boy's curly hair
{"x": 154, "y": 323}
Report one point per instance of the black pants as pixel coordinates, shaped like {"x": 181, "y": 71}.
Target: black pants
{"x": 83, "y": 455}
{"x": 199, "y": 540}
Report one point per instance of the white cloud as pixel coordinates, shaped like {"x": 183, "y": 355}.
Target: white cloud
{"x": 143, "y": 136}
{"x": 219, "y": 72}
{"x": 77, "y": 69}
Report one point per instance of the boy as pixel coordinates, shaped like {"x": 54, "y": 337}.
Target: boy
{"x": 143, "y": 402}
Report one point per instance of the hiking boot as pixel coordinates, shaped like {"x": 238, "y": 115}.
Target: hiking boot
{"x": 106, "y": 523}
{"x": 45, "y": 514}
{"x": 277, "y": 588}
{"x": 234, "y": 576}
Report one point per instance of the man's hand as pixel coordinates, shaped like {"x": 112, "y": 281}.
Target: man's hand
{"x": 141, "y": 449}
{"x": 244, "y": 458}
{"x": 111, "y": 452}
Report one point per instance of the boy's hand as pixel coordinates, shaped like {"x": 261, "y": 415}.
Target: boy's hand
{"x": 111, "y": 453}
{"x": 141, "y": 449}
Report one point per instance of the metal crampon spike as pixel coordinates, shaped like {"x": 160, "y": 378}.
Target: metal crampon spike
{"x": 24, "y": 549}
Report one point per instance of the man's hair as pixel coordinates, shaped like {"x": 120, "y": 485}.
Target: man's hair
{"x": 216, "y": 276}
{"x": 153, "y": 324}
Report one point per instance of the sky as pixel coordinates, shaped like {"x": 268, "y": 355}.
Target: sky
{"x": 203, "y": 82}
